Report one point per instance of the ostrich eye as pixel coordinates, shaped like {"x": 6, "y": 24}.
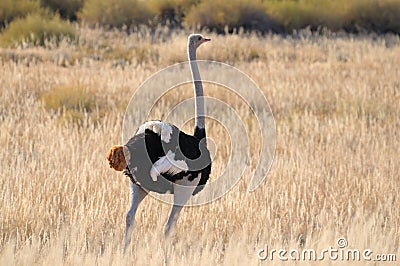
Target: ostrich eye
{"x": 199, "y": 38}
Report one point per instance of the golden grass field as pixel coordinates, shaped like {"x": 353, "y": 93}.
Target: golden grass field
{"x": 336, "y": 103}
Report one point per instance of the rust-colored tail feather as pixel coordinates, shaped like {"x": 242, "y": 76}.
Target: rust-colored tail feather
{"x": 116, "y": 158}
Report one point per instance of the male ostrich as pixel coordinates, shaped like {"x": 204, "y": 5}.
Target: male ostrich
{"x": 163, "y": 159}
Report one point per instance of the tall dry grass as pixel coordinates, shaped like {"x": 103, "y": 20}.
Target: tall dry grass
{"x": 335, "y": 174}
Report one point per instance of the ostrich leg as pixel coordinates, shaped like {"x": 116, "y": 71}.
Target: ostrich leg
{"x": 137, "y": 195}
{"x": 183, "y": 190}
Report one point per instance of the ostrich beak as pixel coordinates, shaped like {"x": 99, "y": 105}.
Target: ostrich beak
{"x": 206, "y": 39}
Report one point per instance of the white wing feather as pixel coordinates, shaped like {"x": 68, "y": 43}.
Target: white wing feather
{"x": 167, "y": 164}
{"x": 164, "y": 130}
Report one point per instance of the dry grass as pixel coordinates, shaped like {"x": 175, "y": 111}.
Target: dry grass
{"x": 336, "y": 169}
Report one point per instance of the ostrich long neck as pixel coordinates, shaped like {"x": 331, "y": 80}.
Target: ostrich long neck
{"x": 200, "y": 125}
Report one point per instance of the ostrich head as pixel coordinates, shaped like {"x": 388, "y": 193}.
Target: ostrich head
{"x": 117, "y": 157}
{"x": 195, "y": 40}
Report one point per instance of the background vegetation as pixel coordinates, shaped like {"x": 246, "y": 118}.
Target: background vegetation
{"x": 280, "y": 16}
{"x": 335, "y": 173}
{"x": 37, "y": 29}
{"x": 70, "y": 67}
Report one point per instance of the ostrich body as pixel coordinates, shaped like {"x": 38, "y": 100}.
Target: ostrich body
{"x": 163, "y": 159}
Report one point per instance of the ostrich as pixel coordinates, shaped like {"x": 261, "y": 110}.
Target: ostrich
{"x": 163, "y": 159}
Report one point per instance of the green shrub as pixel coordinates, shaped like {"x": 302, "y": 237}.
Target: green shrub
{"x": 170, "y": 12}
{"x": 217, "y": 14}
{"x": 37, "y": 29}
{"x": 374, "y": 16}
{"x": 12, "y": 9}
{"x": 288, "y": 15}
{"x": 67, "y": 9}
{"x": 115, "y": 13}
{"x": 68, "y": 98}
{"x": 75, "y": 104}
{"x": 354, "y": 16}
{"x": 294, "y": 15}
